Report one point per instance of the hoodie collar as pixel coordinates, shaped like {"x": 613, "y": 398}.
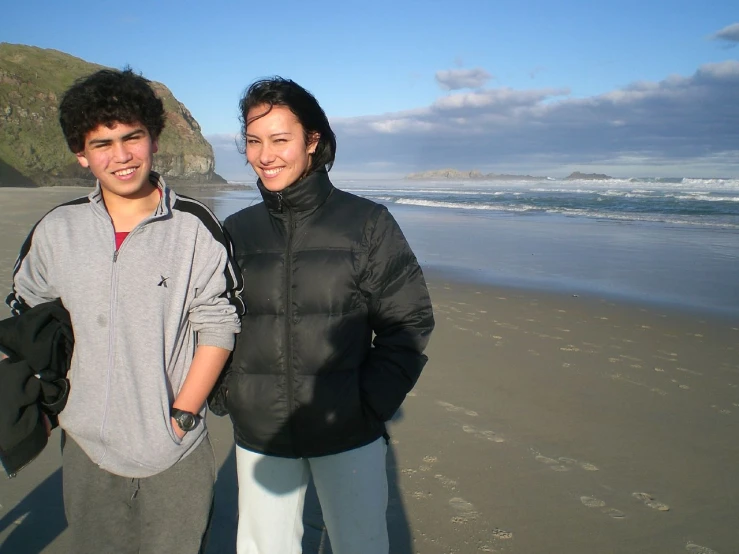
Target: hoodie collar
{"x": 302, "y": 196}
{"x": 167, "y": 196}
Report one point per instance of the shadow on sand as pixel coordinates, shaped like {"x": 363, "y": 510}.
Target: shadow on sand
{"x": 38, "y": 519}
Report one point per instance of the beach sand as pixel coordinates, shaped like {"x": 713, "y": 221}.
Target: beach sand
{"x": 543, "y": 423}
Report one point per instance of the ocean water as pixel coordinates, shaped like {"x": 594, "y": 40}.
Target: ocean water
{"x": 703, "y": 202}
{"x": 671, "y": 243}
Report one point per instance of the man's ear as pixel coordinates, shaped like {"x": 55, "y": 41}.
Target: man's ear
{"x": 154, "y": 146}
{"x": 82, "y": 160}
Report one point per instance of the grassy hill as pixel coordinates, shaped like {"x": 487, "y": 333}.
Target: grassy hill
{"x": 32, "y": 148}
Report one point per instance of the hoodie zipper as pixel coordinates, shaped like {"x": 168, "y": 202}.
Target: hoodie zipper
{"x": 112, "y": 332}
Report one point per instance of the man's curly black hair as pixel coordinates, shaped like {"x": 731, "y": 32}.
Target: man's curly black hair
{"x": 105, "y": 98}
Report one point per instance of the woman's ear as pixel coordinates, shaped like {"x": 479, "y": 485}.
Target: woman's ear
{"x": 313, "y": 142}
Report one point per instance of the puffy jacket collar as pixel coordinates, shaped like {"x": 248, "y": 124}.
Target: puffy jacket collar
{"x": 305, "y": 195}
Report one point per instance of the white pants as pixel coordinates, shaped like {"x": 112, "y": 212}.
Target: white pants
{"x": 351, "y": 487}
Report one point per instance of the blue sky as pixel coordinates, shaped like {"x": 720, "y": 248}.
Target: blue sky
{"x": 543, "y": 87}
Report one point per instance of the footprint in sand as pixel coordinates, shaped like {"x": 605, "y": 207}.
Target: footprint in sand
{"x": 553, "y": 464}
{"x": 464, "y": 509}
{"x": 681, "y": 386}
{"x": 584, "y": 465}
{"x": 570, "y": 348}
{"x": 685, "y": 370}
{"x": 562, "y": 463}
{"x": 452, "y": 408}
{"x": 697, "y": 549}
{"x": 446, "y": 482}
{"x": 592, "y": 502}
{"x": 482, "y": 433}
{"x": 650, "y": 502}
{"x": 502, "y": 534}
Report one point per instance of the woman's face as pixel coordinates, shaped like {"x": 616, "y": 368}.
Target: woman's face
{"x": 276, "y": 147}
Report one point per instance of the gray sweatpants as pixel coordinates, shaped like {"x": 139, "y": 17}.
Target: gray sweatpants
{"x": 168, "y": 512}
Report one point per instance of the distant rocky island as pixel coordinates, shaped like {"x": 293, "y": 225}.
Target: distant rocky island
{"x": 576, "y": 175}
{"x": 438, "y": 174}
{"x": 455, "y": 174}
{"x": 32, "y": 149}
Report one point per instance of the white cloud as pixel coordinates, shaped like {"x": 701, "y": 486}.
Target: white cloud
{"x": 728, "y": 34}
{"x": 677, "y": 122}
{"x": 455, "y": 79}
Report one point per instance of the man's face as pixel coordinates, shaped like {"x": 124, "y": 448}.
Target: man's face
{"x": 120, "y": 157}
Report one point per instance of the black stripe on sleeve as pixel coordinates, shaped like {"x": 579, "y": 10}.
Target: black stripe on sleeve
{"x": 14, "y": 301}
{"x": 234, "y": 279}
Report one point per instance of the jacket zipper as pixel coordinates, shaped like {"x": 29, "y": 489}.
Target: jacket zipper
{"x": 288, "y": 312}
{"x": 17, "y": 471}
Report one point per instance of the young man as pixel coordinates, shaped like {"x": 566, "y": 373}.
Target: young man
{"x": 154, "y": 297}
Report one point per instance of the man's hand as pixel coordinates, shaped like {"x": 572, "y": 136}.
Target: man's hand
{"x": 177, "y": 431}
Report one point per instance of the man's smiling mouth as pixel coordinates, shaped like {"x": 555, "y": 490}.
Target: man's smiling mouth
{"x": 124, "y": 172}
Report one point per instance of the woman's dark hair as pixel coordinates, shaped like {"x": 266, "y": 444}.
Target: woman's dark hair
{"x": 105, "y": 98}
{"x": 277, "y": 91}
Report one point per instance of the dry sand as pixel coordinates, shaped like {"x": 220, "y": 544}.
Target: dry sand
{"x": 543, "y": 423}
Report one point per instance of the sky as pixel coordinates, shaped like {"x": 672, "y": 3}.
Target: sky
{"x": 627, "y": 88}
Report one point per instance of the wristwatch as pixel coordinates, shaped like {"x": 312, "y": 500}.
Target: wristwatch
{"x": 185, "y": 420}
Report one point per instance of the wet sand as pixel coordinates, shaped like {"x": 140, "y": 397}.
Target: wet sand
{"x": 543, "y": 423}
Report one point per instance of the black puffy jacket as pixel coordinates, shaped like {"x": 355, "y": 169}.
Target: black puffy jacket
{"x": 324, "y": 270}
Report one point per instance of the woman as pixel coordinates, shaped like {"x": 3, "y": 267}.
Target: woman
{"x": 309, "y": 390}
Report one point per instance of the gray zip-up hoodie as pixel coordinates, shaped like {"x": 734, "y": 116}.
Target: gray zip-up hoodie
{"x": 137, "y": 314}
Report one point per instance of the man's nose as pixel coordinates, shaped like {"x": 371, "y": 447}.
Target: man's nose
{"x": 121, "y": 153}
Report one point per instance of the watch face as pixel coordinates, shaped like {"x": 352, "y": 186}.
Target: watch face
{"x": 186, "y": 421}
